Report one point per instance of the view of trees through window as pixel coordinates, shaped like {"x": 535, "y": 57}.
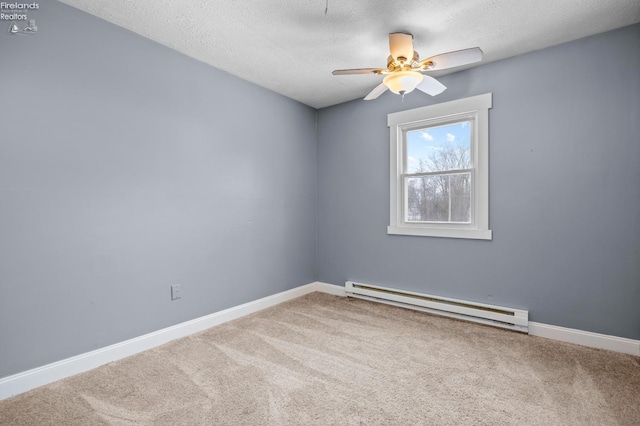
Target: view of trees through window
{"x": 437, "y": 174}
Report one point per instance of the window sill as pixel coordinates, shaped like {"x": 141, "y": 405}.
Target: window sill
{"x": 473, "y": 234}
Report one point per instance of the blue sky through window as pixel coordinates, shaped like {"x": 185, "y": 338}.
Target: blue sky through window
{"x": 423, "y": 144}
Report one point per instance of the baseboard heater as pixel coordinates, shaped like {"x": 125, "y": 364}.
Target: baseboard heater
{"x": 498, "y": 316}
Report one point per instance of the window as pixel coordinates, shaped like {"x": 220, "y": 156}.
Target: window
{"x": 439, "y": 170}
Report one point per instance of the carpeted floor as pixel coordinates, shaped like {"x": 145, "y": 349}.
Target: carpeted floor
{"x": 326, "y": 360}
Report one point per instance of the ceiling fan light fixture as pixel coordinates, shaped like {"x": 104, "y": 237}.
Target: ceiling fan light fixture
{"x": 402, "y": 82}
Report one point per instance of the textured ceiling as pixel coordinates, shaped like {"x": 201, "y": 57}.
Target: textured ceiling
{"x": 291, "y": 46}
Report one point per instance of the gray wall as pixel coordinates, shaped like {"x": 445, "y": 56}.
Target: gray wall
{"x": 126, "y": 167}
{"x": 564, "y": 190}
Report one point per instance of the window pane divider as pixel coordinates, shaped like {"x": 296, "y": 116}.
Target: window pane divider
{"x": 438, "y": 173}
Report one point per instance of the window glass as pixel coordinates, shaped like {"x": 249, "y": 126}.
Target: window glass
{"x": 439, "y": 198}
{"x": 439, "y": 148}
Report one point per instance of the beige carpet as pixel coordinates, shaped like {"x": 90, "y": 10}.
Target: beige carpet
{"x": 325, "y": 360}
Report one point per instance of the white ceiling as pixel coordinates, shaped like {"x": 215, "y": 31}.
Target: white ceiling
{"x": 291, "y": 46}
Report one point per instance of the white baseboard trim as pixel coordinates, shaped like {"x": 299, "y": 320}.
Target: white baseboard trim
{"x": 336, "y": 290}
{"x": 30, "y": 379}
{"x": 585, "y": 338}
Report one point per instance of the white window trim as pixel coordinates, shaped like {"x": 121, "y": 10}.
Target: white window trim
{"x": 475, "y": 108}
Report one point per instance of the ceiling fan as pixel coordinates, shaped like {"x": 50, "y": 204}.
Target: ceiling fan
{"x": 404, "y": 67}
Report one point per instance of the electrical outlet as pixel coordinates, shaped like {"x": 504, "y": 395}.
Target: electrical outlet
{"x": 176, "y": 291}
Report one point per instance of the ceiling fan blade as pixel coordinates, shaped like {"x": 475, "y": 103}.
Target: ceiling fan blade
{"x": 377, "y": 91}
{"x": 401, "y": 45}
{"x": 358, "y": 71}
{"x": 430, "y": 86}
{"x": 451, "y": 59}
